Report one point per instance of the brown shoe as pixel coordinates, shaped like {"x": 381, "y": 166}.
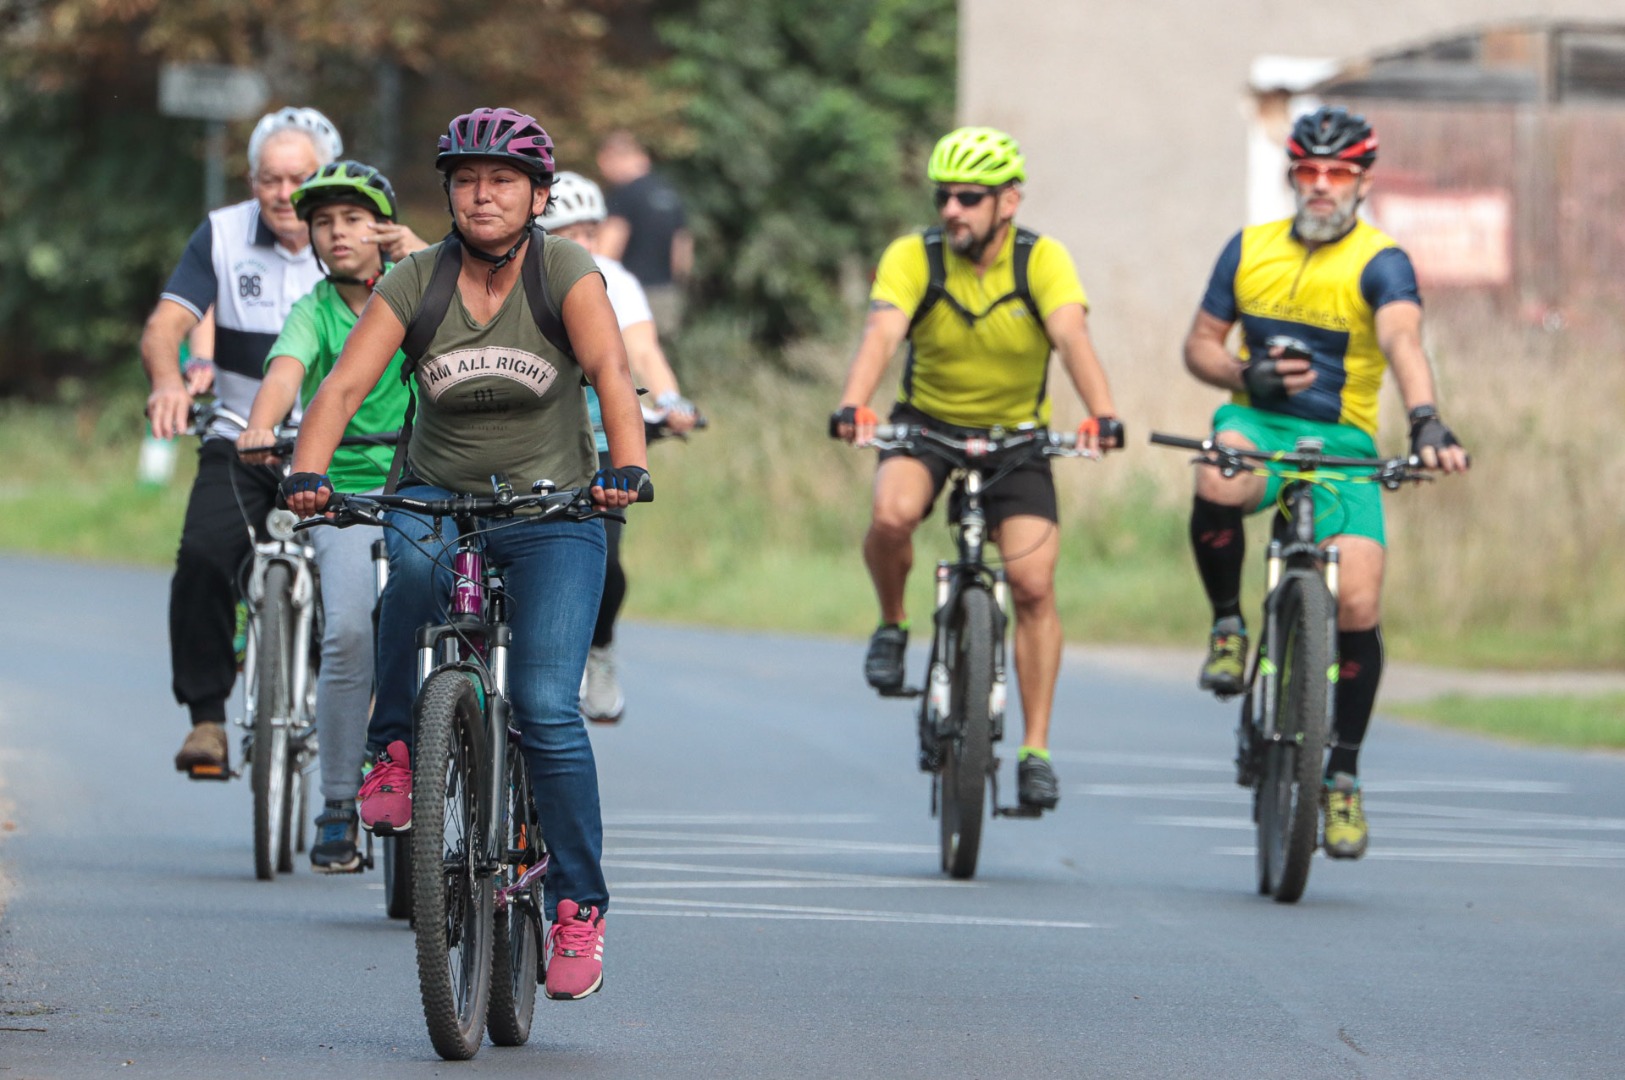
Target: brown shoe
{"x": 203, "y": 754}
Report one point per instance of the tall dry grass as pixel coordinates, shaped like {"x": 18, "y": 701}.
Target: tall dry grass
{"x": 1516, "y": 564}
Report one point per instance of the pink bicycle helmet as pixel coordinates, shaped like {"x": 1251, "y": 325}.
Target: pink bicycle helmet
{"x": 506, "y": 134}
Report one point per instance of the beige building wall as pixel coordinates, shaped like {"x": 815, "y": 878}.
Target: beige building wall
{"x": 1132, "y": 118}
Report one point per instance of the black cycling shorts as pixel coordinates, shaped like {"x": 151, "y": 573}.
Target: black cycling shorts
{"x": 1029, "y": 490}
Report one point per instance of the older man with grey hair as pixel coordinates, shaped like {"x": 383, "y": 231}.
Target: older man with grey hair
{"x": 249, "y": 262}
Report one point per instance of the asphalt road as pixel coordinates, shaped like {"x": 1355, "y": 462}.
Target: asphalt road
{"x": 777, "y": 909}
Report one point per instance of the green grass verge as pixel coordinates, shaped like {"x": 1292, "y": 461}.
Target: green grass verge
{"x": 1590, "y": 722}
{"x": 759, "y": 521}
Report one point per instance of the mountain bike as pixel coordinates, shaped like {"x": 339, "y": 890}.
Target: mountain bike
{"x": 478, "y": 922}
{"x": 961, "y": 712}
{"x": 1287, "y": 706}
{"x": 283, "y": 612}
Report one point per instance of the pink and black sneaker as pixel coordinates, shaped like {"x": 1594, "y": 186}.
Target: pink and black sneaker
{"x": 385, "y": 798}
{"x": 575, "y": 967}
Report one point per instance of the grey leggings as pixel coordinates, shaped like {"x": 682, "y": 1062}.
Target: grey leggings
{"x": 344, "y": 690}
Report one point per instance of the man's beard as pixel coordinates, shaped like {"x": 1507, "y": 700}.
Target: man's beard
{"x": 1322, "y": 230}
{"x": 969, "y": 245}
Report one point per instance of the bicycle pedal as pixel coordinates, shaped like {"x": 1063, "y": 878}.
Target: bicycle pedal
{"x": 901, "y": 692}
{"x": 1020, "y": 810}
{"x": 209, "y": 772}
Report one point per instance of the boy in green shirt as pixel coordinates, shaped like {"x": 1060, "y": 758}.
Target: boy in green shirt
{"x": 349, "y": 207}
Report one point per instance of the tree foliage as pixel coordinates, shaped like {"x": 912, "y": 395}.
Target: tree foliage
{"x": 794, "y": 126}
{"x": 804, "y": 144}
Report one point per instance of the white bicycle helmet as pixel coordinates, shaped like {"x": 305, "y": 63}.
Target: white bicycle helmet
{"x": 320, "y": 129}
{"x": 575, "y": 200}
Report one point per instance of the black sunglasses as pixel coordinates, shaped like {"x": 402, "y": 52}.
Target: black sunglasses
{"x": 967, "y": 199}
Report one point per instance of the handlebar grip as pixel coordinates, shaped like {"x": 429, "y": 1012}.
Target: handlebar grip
{"x": 1159, "y": 439}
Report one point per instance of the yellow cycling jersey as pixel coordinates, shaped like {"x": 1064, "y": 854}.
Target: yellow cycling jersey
{"x": 1327, "y": 298}
{"x": 991, "y": 370}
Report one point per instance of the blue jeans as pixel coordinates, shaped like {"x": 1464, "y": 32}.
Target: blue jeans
{"x": 554, "y": 573}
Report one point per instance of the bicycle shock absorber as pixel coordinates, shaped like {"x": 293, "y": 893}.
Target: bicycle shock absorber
{"x": 999, "y": 692}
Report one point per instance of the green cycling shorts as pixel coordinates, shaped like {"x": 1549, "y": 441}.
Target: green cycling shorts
{"x": 1342, "y": 508}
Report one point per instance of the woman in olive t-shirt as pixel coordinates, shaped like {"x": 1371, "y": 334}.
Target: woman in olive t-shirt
{"x": 494, "y": 395}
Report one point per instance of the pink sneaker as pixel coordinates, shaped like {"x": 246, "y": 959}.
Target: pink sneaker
{"x": 385, "y": 798}
{"x": 576, "y": 967}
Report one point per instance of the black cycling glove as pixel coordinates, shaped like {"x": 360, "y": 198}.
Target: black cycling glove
{"x": 294, "y": 483}
{"x": 1263, "y": 379}
{"x": 1428, "y": 430}
{"x": 626, "y": 478}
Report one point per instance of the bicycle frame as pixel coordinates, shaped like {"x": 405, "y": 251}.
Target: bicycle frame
{"x": 295, "y": 553}
{"x": 475, "y": 640}
{"x": 968, "y": 571}
{"x": 1292, "y": 554}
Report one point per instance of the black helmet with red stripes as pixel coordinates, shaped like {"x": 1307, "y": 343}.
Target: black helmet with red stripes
{"x": 1331, "y": 131}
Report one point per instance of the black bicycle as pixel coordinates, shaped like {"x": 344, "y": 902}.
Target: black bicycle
{"x": 1290, "y": 690}
{"x": 478, "y": 921}
{"x": 962, "y": 703}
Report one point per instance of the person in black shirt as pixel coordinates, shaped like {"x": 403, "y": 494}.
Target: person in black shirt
{"x": 646, "y": 229}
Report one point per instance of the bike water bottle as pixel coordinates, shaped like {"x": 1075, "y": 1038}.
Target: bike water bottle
{"x": 156, "y": 464}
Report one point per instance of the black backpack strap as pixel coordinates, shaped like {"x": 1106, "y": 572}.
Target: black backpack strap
{"x": 936, "y": 285}
{"x": 549, "y": 319}
{"x": 431, "y": 312}
{"x": 1020, "y": 257}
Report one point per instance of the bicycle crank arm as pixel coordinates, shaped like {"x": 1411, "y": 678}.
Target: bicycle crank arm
{"x": 506, "y": 894}
{"x": 902, "y": 692}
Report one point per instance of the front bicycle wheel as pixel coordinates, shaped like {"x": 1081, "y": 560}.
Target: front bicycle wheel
{"x": 1289, "y": 789}
{"x": 271, "y": 778}
{"x": 968, "y": 748}
{"x": 516, "y": 944}
{"x": 451, "y": 895}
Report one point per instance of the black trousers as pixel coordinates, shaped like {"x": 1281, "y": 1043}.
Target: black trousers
{"x": 216, "y": 545}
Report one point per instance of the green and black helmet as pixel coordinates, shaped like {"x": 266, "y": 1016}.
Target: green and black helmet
{"x": 346, "y": 182}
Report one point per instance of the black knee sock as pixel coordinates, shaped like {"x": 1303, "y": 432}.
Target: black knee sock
{"x": 1219, "y": 539}
{"x": 1359, "y": 671}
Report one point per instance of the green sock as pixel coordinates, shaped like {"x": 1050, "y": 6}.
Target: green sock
{"x": 903, "y": 626}
{"x": 1026, "y": 752}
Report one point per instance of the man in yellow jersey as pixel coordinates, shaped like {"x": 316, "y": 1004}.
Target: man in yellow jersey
{"x": 982, "y": 304}
{"x": 1326, "y": 302}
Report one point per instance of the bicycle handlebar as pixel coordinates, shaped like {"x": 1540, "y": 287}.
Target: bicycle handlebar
{"x": 1043, "y": 441}
{"x": 347, "y": 509}
{"x": 283, "y": 447}
{"x": 1389, "y": 472}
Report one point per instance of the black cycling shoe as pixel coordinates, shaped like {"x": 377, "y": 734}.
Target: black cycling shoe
{"x": 335, "y": 850}
{"x": 1036, "y": 784}
{"x": 883, "y": 666}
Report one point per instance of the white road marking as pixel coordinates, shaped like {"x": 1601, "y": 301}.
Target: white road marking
{"x": 809, "y": 845}
{"x": 725, "y": 910}
{"x": 737, "y": 819}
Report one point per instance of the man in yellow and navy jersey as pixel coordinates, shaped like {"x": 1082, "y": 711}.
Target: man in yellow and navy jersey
{"x": 1326, "y": 304}
{"x": 982, "y": 304}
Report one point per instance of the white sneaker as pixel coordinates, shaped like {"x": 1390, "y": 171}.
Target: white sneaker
{"x": 601, "y": 697}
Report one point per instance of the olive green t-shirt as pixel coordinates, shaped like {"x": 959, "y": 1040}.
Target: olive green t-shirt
{"x": 498, "y": 397}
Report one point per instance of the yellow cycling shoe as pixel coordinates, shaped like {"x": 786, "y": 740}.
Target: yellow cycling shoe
{"x": 1346, "y": 835}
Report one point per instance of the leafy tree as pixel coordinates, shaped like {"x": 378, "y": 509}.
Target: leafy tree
{"x": 807, "y": 127}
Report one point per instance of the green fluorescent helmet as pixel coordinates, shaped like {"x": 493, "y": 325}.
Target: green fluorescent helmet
{"x": 346, "y": 182}
{"x": 976, "y": 155}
